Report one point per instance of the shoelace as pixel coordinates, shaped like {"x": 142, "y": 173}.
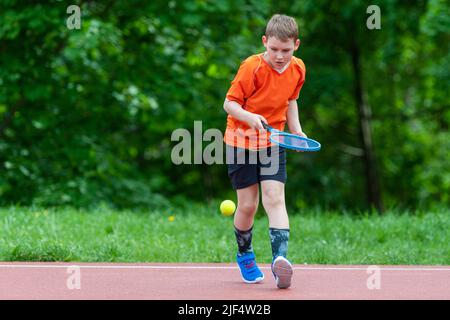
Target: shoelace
{"x": 249, "y": 263}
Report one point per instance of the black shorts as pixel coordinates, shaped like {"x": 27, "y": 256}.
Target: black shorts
{"x": 246, "y": 167}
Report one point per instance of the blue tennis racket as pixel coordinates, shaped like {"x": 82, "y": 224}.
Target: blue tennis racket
{"x": 291, "y": 141}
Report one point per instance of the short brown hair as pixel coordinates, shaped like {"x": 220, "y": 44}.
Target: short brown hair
{"x": 282, "y": 27}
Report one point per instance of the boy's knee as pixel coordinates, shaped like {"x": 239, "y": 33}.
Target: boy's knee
{"x": 273, "y": 197}
{"x": 248, "y": 207}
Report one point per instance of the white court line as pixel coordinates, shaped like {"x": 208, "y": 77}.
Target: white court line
{"x": 215, "y": 267}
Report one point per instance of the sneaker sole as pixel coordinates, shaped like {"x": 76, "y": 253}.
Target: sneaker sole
{"x": 259, "y": 279}
{"x": 283, "y": 272}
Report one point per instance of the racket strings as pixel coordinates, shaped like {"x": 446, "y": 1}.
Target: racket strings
{"x": 293, "y": 140}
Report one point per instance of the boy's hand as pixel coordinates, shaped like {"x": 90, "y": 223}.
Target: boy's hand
{"x": 301, "y": 134}
{"x": 254, "y": 121}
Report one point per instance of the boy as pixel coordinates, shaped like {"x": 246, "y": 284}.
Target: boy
{"x": 264, "y": 89}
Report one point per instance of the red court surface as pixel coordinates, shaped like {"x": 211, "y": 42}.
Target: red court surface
{"x": 217, "y": 282}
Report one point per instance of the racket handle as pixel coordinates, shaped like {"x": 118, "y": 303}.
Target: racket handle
{"x": 266, "y": 126}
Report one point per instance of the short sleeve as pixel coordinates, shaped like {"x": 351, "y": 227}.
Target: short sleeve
{"x": 242, "y": 85}
{"x": 301, "y": 81}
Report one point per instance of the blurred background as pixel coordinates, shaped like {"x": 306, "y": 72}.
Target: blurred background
{"x": 86, "y": 116}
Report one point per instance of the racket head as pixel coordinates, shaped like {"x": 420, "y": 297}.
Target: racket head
{"x": 294, "y": 142}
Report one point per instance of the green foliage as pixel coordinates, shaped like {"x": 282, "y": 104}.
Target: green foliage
{"x": 86, "y": 115}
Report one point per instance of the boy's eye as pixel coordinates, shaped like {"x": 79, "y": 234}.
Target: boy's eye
{"x": 284, "y": 50}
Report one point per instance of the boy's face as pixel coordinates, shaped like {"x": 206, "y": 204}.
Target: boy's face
{"x": 280, "y": 52}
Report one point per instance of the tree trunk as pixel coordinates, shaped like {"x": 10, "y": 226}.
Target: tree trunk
{"x": 364, "y": 112}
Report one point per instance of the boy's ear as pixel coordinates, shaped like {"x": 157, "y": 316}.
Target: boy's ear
{"x": 264, "y": 41}
{"x": 297, "y": 44}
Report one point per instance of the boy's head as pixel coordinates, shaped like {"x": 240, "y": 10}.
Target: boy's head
{"x": 281, "y": 40}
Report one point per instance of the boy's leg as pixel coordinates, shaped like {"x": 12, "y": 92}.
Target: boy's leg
{"x": 274, "y": 204}
{"x": 248, "y": 199}
{"x": 243, "y": 229}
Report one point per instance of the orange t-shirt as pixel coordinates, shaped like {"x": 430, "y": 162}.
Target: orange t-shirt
{"x": 261, "y": 89}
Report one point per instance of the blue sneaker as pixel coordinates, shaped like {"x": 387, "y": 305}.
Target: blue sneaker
{"x": 249, "y": 270}
{"x": 282, "y": 271}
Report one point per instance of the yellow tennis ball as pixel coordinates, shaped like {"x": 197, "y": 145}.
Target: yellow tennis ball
{"x": 227, "y": 207}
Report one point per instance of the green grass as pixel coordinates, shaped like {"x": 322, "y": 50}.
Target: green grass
{"x": 203, "y": 235}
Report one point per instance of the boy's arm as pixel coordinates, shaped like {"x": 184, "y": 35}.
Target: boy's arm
{"x": 293, "y": 119}
{"x": 235, "y": 110}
